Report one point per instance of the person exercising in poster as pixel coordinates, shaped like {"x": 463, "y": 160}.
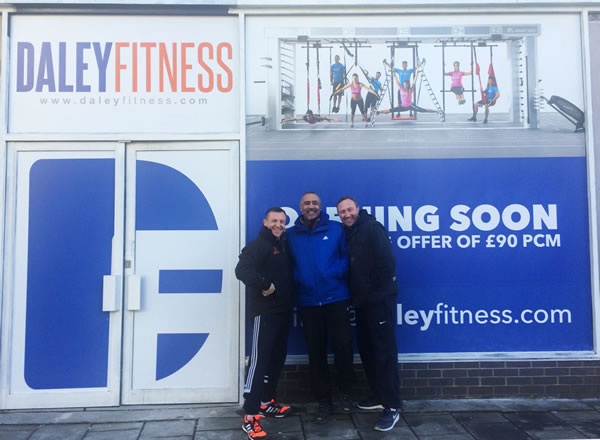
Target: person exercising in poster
{"x": 337, "y": 75}
{"x": 490, "y": 96}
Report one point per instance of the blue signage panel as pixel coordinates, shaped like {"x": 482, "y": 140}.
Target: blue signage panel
{"x": 67, "y": 333}
{"x": 492, "y": 254}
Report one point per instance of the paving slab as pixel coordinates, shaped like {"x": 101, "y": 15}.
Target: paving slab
{"x": 111, "y": 416}
{"x": 131, "y": 434}
{"x": 176, "y": 437}
{"x": 402, "y": 432}
{"x": 229, "y": 434}
{"x": 60, "y": 432}
{"x": 16, "y": 432}
{"x": 556, "y": 434}
{"x": 496, "y": 431}
{"x": 433, "y": 424}
{"x": 536, "y": 421}
{"x": 502, "y": 405}
{"x": 283, "y": 425}
{"x": 479, "y": 417}
{"x": 281, "y": 436}
{"x": 590, "y": 429}
{"x": 112, "y": 431}
{"x": 465, "y": 436}
{"x": 219, "y": 423}
{"x": 172, "y": 428}
{"x": 576, "y": 416}
{"x": 339, "y": 427}
{"x": 117, "y": 426}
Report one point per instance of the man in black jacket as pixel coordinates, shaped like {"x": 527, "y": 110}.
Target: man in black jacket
{"x": 373, "y": 289}
{"x": 265, "y": 267}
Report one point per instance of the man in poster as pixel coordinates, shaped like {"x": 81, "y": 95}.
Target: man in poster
{"x": 373, "y": 288}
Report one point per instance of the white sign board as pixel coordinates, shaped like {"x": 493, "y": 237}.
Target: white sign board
{"x": 122, "y": 74}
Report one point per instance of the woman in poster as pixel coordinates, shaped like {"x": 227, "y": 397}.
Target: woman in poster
{"x": 406, "y": 102}
{"x": 357, "y": 100}
{"x": 456, "y": 85}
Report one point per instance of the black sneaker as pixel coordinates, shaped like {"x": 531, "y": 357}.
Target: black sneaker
{"x": 323, "y": 414}
{"x": 485, "y": 121}
{"x": 252, "y": 427}
{"x": 473, "y": 119}
{"x": 369, "y": 403}
{"x": 387, "y": 420}
{"x": 274, "y": 409}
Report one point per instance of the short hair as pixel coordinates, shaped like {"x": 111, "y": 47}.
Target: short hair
{"x": 310, "y": 192}
{"x": 404, "y": 62}
{"x": 273, "y": 209}
{"x": 347, "y": 198}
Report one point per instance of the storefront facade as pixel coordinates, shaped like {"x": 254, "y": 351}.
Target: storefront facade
{"x": 141, "y": 148}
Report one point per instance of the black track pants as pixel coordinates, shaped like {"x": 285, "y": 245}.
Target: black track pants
{"x": 269, "y": 349}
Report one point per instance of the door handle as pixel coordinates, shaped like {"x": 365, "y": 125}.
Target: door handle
{"x": 134, "y": 293}
{"x": 111, "y": 293}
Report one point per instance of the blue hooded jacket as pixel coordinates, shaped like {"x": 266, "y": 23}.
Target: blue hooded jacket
{"x": 320, "y": 262}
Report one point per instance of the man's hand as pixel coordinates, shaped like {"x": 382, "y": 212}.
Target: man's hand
{"x": 269, "y": 291}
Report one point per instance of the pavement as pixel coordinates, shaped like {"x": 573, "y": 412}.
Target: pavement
{"x": 459, "y": 419}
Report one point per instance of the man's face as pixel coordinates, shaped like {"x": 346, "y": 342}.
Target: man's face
{"x": 275, "y": 221}
{"x": 378, "y": 75}
{"x": 337, "y": 59}
{"x": 348, "y": 212}
{"x": 310, "y": 205}
{"x": 404, "y": 65}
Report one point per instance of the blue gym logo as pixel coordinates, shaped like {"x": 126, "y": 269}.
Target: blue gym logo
{"x": 69, "y": 250}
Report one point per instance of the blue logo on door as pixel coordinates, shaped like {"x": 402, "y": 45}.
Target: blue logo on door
{"x": 167, "y": 200}
{"x": 70, "y": 231}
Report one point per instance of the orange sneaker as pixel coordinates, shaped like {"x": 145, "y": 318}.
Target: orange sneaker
{"x": 252, "y": 427}
{"x": 275, "y": 410}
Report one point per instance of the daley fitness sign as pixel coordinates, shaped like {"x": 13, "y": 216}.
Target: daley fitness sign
{"x": 495, "y": 259}
{"x": 145, "y": 75}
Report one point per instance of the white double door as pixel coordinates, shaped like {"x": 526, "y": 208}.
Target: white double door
{"x": 119, "y": 284}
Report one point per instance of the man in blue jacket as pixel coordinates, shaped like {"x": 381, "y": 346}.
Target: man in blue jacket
{"x": 374, "y": 289}
{"x": 320, "y": 270}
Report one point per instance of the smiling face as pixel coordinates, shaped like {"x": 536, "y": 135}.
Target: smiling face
{"x": 275, "y": 221}
{"x": 310, "y": 205}
{"x": 347, "y": 211}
